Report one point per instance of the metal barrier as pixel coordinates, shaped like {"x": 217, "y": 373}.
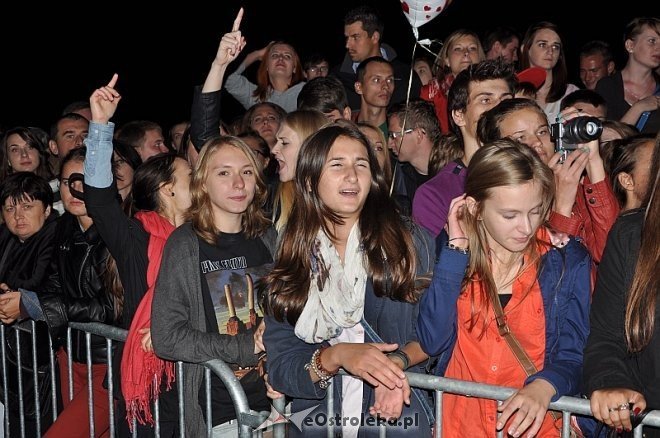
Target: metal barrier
{"x": 247, "y": 419}
{"x": 565, "y": 405}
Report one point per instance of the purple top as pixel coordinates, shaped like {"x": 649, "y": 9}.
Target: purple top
{"x": 431, "y": 202}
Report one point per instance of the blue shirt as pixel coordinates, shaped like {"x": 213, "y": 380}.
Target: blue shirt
{"x": 98, "y": 160}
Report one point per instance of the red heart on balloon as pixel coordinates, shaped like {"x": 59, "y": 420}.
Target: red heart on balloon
{"x": 427, "y": 8}
{"x": 405, "y": 7}
{"x": 438, "y": 9}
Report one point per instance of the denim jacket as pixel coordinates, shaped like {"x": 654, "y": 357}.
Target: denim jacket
{"x": 564, "y": 280}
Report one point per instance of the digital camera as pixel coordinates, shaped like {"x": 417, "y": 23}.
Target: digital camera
{"x": 573, "y": 132}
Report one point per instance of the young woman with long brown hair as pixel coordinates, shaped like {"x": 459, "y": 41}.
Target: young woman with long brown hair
{"x": 344, "y": 289}
{"x": 621, "y": 357}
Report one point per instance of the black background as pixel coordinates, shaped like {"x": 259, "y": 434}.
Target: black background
{"x": 59, "y": 55}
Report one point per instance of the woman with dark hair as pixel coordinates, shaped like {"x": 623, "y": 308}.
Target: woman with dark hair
{"x": 630, "y": 166}
{"x": 26, "y": 245}
{"x": 22, "y": 151}
{"x": 584, "y": 204}
{"x": 633, "y": 93}
{"x": 125, "y": 161}
{"x": 542, "y": 47}
{"x": 621, "y": 356}
{"x": 344, "y": 289}
{"x": 160, "y": 197}
{"x": 204, "y": 302}
{"x": 501, "y": 280}
{"x": 77, "y": 290}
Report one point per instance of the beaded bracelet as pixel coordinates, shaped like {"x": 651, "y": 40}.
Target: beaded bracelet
{"x": 453, "y": 247}
{"x": 317, "y": 367}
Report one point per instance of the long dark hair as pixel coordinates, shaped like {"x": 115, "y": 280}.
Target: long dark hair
{"x": 388, "y": 245}
{"x": 559, "y": 71}
{"x": 33, "y": 141}
{"x": 148, "y": 179}
{"x": 642, "y": 298}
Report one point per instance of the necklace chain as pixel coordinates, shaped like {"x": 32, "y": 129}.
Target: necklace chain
{"x": 637, "y": 96}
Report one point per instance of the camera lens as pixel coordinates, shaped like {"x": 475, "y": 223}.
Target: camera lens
{"x": 582, "y": 130}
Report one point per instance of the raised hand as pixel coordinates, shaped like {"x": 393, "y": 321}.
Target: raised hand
{"x": 567, "y": 178}
{"x": 104, "y": 101}
{"x": 231, "y": 44}
{"x": 455, "y": 228}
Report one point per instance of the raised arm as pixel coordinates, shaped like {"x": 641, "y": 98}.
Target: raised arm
{"x": 231, "y": 45}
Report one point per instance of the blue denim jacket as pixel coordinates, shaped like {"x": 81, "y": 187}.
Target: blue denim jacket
{"x": 565, "y": 284}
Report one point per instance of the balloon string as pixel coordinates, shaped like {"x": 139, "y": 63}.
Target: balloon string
{"x": 405, "y": 116}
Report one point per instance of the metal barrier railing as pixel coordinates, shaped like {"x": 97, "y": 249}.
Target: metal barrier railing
{"x": 247, "y": 419}
{"x": 566, "y": 405}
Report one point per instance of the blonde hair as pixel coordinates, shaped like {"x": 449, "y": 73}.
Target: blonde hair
{"x": 499, "y": 164}
{"x": 304, "y": 123}
{"x": 253, "y": 222}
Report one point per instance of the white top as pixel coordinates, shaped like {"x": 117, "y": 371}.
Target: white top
{"x": 552, "y": 109}
{"x": 351, "y": 403}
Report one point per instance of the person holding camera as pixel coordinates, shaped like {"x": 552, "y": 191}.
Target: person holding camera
{"x": 584, "y": 205}
{"x": 508, "y": 303}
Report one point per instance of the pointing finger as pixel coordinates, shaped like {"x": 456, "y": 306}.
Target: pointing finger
{"x": 113, "y": 81}
{"x": 237, "y": 21}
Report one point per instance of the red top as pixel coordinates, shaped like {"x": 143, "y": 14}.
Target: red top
{"x": 488, "y": 358}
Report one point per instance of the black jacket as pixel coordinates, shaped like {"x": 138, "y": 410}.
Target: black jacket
{"x": 27, "y": 264}
{"x": 607, "y": 363}
{"x": 402, "y": 71}
{"x": 76, "y": 290}
{"x": 611, "y": 88}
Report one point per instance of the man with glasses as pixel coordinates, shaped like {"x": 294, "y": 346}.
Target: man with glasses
{"x": 413, "y": 131}
{"x": 315, "y": 66}
{"x": 363, "y": 31}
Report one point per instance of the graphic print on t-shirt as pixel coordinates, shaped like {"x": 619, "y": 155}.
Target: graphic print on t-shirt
{"x": 233, "y": 291}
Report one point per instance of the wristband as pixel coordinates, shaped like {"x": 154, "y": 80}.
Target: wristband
{"x": 403, "y": 356}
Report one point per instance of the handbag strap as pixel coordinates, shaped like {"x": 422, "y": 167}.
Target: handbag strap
{"x": 517, "y": 349}
{"x": 512, "y": 342}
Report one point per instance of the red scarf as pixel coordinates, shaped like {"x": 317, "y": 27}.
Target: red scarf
{"x": 142, "y": 372}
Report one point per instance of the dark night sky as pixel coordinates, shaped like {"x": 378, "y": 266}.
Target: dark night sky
{"x": 56, "y": 58}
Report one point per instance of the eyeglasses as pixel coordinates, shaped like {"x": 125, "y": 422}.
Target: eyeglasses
{"x": 322, "y": 69}
{"x": 396, "y": 134}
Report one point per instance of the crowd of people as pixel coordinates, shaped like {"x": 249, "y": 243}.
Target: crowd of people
{"x": 469, "y": 227}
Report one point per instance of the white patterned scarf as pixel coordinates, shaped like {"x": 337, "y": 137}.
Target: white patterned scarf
{"x": 336, "y": 292}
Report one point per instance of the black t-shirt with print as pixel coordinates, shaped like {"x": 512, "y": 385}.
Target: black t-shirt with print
{"x": 233, "y": 268}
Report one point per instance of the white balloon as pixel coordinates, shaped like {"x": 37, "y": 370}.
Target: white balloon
{"x": 419, "y": 12}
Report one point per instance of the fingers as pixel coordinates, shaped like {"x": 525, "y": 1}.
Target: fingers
{"x": 237, "y": 21}
{"x": 386, "y": 347}
{"x": 270, "y": 392}
{"x": 113, "y": 81}
{"x": 406, "y": 392}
